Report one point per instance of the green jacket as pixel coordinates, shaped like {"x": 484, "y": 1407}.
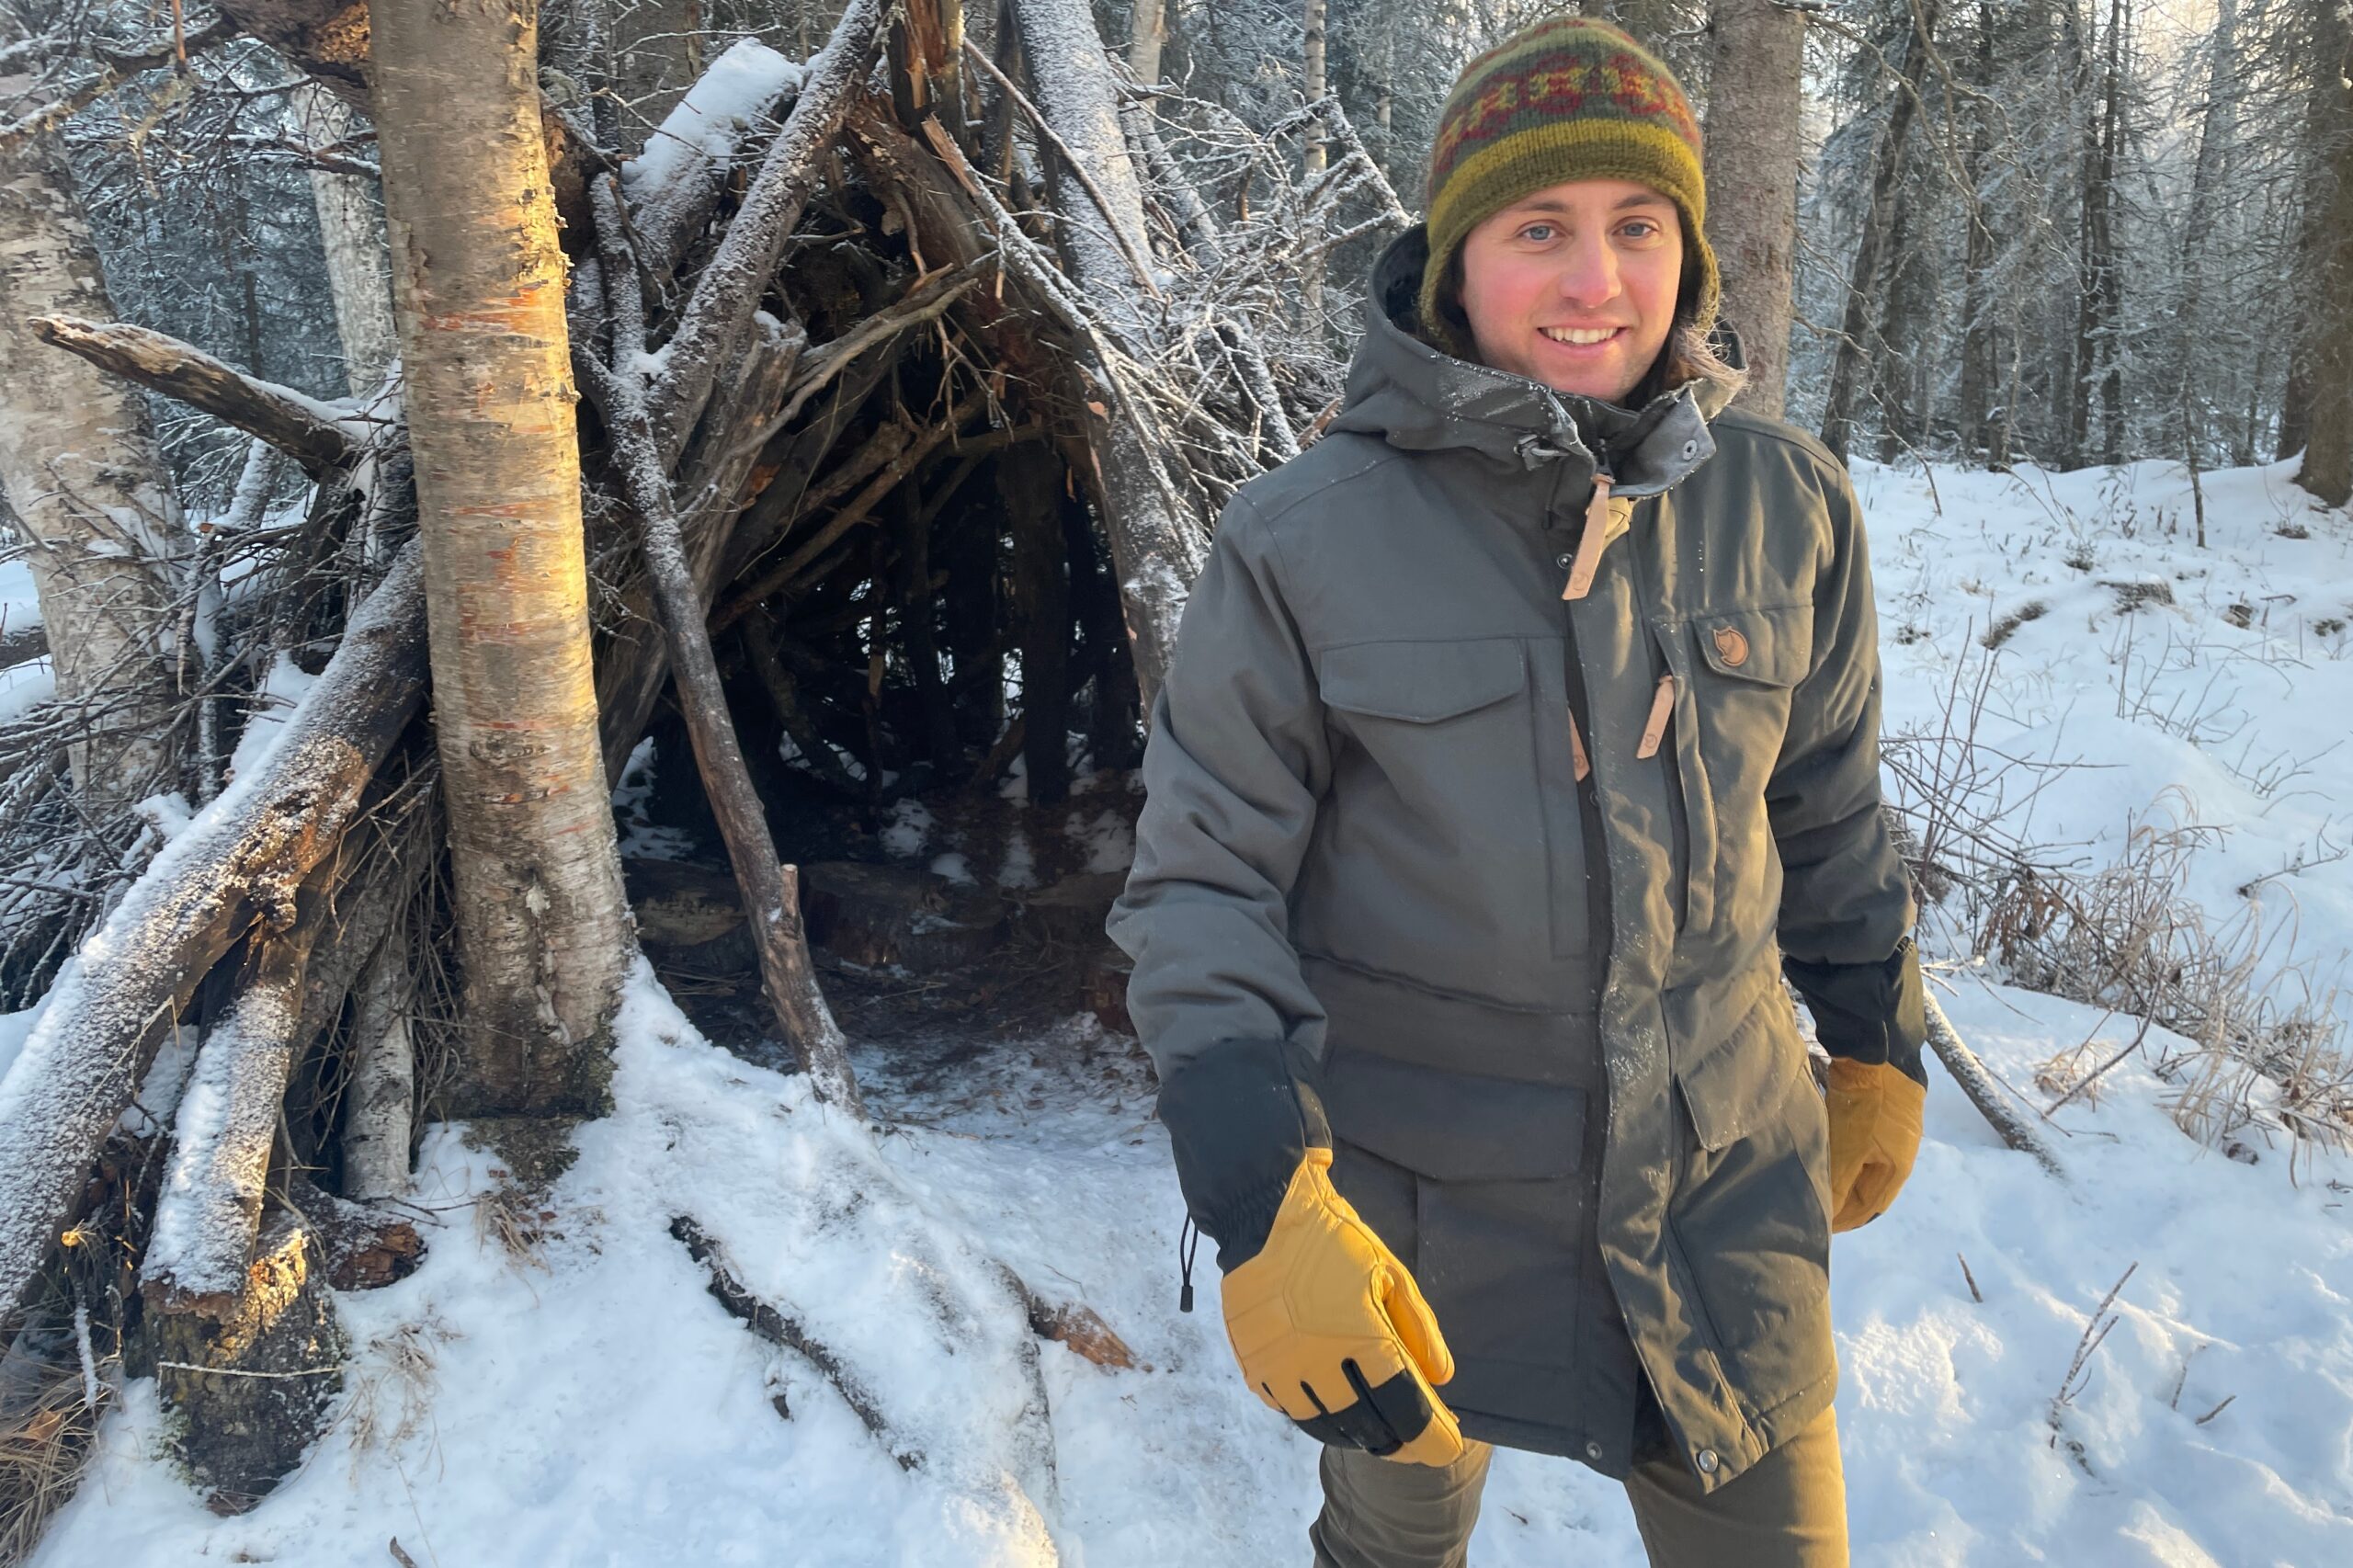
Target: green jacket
{"x": 1539, "y": 1020}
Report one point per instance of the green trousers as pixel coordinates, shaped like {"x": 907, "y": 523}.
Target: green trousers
{"x": 1787, "y": 1511}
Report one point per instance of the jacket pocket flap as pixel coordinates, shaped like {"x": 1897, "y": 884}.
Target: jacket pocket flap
{"x": 1771, "y": 647}
{"x": 1734, "y": 1086}
{"x": 1421, "y": 682}
{"x": 1453, "y": 1126}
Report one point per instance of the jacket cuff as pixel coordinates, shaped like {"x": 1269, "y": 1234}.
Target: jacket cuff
{"x": 1240, "y": 1117}
{"x": 1867, "y": 1012}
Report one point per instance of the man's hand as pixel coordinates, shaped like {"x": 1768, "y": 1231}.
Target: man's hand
{"x": 1874, "y": 1134}
{"x": 1331, "y": 1330}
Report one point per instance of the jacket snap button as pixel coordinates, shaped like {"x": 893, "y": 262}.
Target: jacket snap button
{"x": 1707, "y": 1461}
{"x": 1731, "y": 646}
{"x": 1593, "y": 1453}
{"x": 1690, "y": 447}
{"x": 1563, "y": 560}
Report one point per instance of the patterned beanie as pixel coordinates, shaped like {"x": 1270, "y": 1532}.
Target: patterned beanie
{"x": 1566, "y": 100}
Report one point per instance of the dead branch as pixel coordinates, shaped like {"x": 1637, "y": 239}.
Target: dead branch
{"x": 775, "y": 927}
{"x": 1984, "y": 1093}
{"x": 788, "y": 1332}
{"x": 632, "y": 668}
{"x": 785, "y": 573}
{"x": 115, "y": 69}
{"x": 294, "y": 424}
{"x": 717, "y": 314}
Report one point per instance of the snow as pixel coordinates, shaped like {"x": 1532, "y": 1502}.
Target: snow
{"x": 26, "y": 687}
{"x": 911, "y": 824}
{"x": 278, "y": 696}
{"x": 732, "y": 99}
{"x": 641, "y": 838}
{"x": 597, "y": 1406}
{"x": 20, "y": 604}
{"x": 2168, "y": 717}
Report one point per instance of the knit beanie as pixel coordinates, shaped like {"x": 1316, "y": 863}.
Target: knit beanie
{"x": 1568, "y": 98}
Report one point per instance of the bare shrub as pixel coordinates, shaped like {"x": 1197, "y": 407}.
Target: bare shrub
{"x": 2268, "y": 1047}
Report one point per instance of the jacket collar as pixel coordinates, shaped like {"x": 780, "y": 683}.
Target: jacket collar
{"x": 1420, "y": 399}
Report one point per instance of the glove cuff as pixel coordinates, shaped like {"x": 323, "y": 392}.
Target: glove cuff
{"x": 1240, "y": 1116}
{"x": 1867, "y": 1012}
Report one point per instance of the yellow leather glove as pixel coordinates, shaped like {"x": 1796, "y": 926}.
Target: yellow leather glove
{"x": 1874, "y": 1135}
{"x": 1331, "y": 1330}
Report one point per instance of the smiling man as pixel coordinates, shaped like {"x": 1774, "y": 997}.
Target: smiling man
{"x": 1522, "y": 735}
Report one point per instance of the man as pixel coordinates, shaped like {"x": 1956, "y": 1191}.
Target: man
{"x": 1521, "y": 735}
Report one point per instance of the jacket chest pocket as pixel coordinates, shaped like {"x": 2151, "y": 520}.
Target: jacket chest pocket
{"x": 1436, "y": 802}
{"x": 1733, "y": 671}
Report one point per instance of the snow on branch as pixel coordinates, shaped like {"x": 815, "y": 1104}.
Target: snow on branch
{"x": 240, "y": 860}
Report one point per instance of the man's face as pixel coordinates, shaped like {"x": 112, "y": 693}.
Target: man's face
{"x": 1575, "y": 285}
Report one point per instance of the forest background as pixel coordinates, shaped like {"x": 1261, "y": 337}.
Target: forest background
{"x": 949, "y": 334}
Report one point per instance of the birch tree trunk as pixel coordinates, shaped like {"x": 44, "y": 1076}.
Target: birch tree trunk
{"x": 1313, "y": 59}
{"x": 80, "y": 467}
{"x": 479, "y": 292}
{"x": 1756, "y": 58}
{"x": 1148, "y": 33}
{"x": 350, "y": 239}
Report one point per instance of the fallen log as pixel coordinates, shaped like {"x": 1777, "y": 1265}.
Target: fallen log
{"x": 208, "y": 1214}
{"x": 252, "y": 1384}
{"x": 241, "y": 860}
{"x": 299, "y": 426}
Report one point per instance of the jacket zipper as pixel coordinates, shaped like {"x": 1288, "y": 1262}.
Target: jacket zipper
{"x": 1597, "y": 849}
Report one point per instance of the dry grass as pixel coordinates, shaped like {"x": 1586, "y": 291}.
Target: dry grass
{"x": 2129, "y": 938}
{"x": 53, "y": 1388}
{"x": 390, "y": 1387}
{"x": 2268, "y": 1051}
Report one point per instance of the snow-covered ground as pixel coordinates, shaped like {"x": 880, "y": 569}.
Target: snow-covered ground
{"x": 597, "y": 1406}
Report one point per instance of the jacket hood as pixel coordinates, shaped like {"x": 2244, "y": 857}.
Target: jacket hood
{"x": 1420, "y": 399}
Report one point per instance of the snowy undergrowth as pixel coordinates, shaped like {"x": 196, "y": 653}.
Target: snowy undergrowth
{"x": 2165, "y": 724}
{"x": 605, "y": 1410}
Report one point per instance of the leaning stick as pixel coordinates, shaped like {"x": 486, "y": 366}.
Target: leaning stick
{"x": 772, "y": 911}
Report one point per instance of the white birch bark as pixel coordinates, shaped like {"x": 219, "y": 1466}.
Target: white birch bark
{"x": 80, "y": 467}
{"x": 383, "y": 1079}
{"x": 351, "y": 239}
{"x": 1155, "y": 547}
